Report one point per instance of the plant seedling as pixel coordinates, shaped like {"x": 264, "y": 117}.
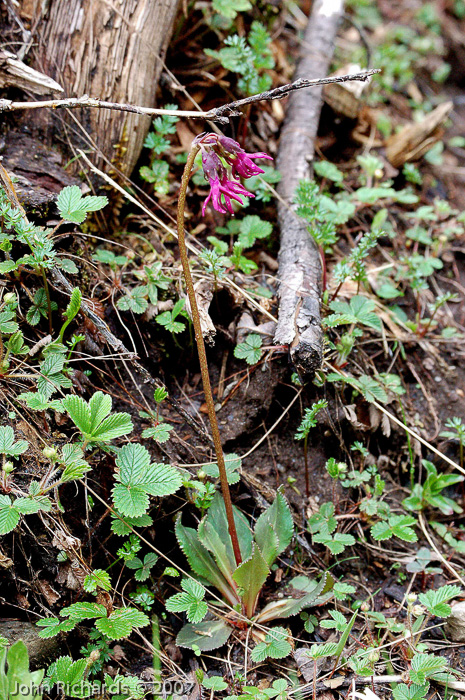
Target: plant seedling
{"x": 308, "y": 422}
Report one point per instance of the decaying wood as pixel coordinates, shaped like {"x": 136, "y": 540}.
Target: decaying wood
{"x": 37, "y": 171}
{"x": 299, "y": 262}
{"x": 415, "y": 139}
{"x": 110, "y": 50}
{"x": 15, "y": 73}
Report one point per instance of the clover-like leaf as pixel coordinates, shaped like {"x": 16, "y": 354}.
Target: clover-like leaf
{"x": 74, "y": 207}
{"x": 8, "y": 446}
{"x": 436, "y": 602}
{"x": 138, "y": 479}
{"x": 275, "y": 646}
{"x": 189, "y": 601}
{"x": 250, "y": 349}
{"x": 92, "y": 418}
{"x": 121, "y": 623}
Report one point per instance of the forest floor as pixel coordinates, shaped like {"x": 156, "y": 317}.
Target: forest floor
{"x": 384, "y": 513}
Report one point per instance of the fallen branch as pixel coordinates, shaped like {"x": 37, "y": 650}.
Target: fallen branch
{"x": 299, "y": 271}
{"x": 221, "y": 114}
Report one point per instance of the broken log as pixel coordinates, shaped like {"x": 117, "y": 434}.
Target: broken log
{"x": 299, "y": 271}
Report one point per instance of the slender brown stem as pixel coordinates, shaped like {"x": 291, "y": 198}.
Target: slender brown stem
{"x": 49, "y": 303}
{"x": 203, "y": 356}
{"x": 307, "y": 478}
{"x": 1, "y": 353}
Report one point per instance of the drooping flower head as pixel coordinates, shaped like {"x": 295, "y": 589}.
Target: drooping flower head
{"x": 241, "y": 162}
{"x": 222, "y": 190}
{"x": 222, "y": 156}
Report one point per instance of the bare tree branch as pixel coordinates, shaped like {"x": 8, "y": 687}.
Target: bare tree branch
{"x": 220, "y": 114}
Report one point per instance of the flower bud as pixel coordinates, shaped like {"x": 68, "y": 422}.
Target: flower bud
{"x": 94, "y": 656}
{"x": 51, "y": 453}
{"x": 212, "y": 166}
{"x": 418, "y": 610}
{"x": 8, "y": 467}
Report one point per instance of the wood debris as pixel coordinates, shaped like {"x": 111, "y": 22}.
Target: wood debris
{"x": 15, "y": 73}
{"x": 416, "y": 138}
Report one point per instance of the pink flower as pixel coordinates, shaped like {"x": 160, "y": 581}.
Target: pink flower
{"x": 240, "y": 161}
{"x": 223, "y": 190}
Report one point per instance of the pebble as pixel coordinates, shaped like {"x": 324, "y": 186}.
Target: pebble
{"x": 455, "y": 625}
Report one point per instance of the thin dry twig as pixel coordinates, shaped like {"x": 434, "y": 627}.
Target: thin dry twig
{"x": 220, "y": 114}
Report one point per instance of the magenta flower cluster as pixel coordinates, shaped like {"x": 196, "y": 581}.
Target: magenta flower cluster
{"x": 225, "y": 179}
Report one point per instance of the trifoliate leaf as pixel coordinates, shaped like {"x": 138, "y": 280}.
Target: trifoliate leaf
{"x": 167, "y": 319}
{"x": 74, "y": 207}
{"x": 251, "y": 228}
{"x": 92, "y": 418}
{"x": 143, "y": 567}
{"x": 360, "y": 309}
{"x": 424, "y": 666}
{"x": 335, "y": 543}
{"x": 160, "y": 433}
{"x": 123, "y": 527}
{"x": 436, "y": 601}
{"x": 135, "y": 301}
{"x": 214, "y": 682}
{"x": 138, "y": 478}
{"x": 97, "y": 579}
{"x": 39, "y": 402}
{"x": 9, "y": 515}
{"x": 25, "y": 506}
{"x": 250, "y": 349}
{"x": 275, "y": 646}
{"x": 8, "y": 446}
{"x": 370, "y": 389}
{"x": 396, "y": 526}
{"x": 190, "y": 601}
{"x": 53, "y": 626}
{"x": 121, "y": 623}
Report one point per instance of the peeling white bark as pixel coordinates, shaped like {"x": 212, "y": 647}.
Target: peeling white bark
{"x": 299, "y": 271}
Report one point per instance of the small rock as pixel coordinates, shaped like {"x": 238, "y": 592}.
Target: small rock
{"x": 37, "y": 648}
{"x": 455, "y": 625}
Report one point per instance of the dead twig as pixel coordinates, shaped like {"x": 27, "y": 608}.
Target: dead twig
{"x": 220, "y": 114}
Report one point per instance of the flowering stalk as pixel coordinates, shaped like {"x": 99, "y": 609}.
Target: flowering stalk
{"x": 224, "y": 187}
{"x": 203, "y": 357}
